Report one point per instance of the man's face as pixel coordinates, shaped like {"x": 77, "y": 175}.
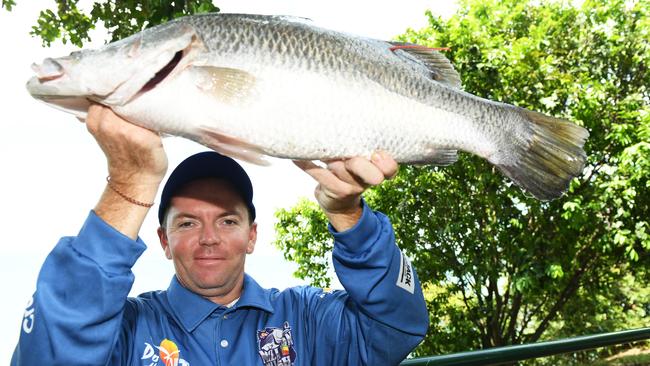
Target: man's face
{"x": 207, "y": 235}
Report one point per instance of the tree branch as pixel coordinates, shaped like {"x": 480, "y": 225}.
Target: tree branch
{"x": 569, "y": 290}
{"x": 514, "y": 314}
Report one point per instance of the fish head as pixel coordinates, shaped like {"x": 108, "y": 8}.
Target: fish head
{"x": 116, "y": 73}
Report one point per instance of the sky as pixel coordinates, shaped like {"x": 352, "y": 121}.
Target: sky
{"x": 53, "y": 172}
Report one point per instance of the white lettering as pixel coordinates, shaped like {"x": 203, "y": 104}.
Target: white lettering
{"x": 28, "y": 317}
{"x": 405, "y": 278}
{"x": 148, "y": 351}
{"x": 150, "y": 355}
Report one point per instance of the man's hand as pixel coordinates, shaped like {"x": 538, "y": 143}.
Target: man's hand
{"x": 134, "y": 154}
{"x": 136, "y": 164}
{"x": 342, "y": 183}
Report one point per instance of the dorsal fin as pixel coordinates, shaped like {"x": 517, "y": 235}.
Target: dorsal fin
{"x": 294, "y": 18}
{"x": 440, "y": 67}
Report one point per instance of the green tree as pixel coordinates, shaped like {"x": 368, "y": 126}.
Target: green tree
{"x": 120, "y": 17}
{"x": 498, "y": 267}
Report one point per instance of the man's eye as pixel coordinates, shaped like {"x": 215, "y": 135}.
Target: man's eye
{"x": 230, "y": 222}
{"x": 184, "y": 224}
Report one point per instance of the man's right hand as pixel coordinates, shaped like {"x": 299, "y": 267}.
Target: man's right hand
{"x": 134, "y": 154}
{"x": 137, "y": 163}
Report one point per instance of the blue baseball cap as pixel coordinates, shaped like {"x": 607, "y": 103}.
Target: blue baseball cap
{"x": 208, "y": 164}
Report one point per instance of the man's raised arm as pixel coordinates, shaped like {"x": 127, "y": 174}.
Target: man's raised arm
{"x": 382, "y": 315}
{"x": 76, "y": 312}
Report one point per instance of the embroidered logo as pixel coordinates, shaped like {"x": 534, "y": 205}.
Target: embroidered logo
{"x": 276, "y": 346}
{"x": 405, "y": 278}
{"x": 168, "y": 355}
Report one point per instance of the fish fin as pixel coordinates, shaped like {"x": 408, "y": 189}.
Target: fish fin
{"x": 231, "y": 146}
{"x": 438, "y": 156}
{"x": 438, "y": 65}
{"x": 549, "y": 159}
{"x": 294, "y": 18}
{"x": 225, "y": 83}
{"x": 406, "y": 45}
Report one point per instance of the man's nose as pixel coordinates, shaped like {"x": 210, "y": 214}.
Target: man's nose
{"x": 209, "y": 236}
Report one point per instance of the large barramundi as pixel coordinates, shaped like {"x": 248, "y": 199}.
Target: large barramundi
{"x": 252, "y": 85}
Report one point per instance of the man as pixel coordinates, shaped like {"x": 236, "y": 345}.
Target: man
{"x": 213, "y": 313}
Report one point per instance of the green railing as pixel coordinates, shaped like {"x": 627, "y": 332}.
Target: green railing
{"x": 494, "y": 356}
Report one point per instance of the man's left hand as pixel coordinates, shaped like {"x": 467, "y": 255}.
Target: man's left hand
{"x": 342, "y": 183}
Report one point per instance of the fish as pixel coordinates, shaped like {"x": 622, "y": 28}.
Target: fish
{"x": 253, "y": 86}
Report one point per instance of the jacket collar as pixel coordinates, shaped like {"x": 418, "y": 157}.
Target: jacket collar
{"x": 253, "y": 295}
{"x": 191, "y": 309}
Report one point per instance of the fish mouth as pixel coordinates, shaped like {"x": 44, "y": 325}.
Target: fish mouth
{"x": 163, "y": 73}
{"x": 76, "y": 105}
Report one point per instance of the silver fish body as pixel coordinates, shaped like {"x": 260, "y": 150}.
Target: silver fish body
{"x": 251, "y": 85}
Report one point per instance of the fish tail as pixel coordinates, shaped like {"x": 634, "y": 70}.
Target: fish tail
{"x": 545, "y": 161}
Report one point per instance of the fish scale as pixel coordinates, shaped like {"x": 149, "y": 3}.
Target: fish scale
{"x": 252, "y": 85}
{"x": 312, "y": 49}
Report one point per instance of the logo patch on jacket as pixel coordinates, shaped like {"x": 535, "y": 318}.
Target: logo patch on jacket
{"x": 168, "y": 354}
{"x": 405, "y": 278}
{"x": 276, "y": 346}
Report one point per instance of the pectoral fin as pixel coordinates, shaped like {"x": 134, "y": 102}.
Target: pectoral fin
{"x": 227, "y": 84}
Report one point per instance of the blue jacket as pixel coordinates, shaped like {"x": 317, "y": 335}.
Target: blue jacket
{"x": 81, "y": 315}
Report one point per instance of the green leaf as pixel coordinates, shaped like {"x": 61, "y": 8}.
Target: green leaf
{"x": 555, "y": 271}
{"x": 8, "y": 4}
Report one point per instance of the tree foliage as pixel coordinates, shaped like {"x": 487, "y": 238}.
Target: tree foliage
{"x": 498, "y": 267}
{"x": 120, "y": 17}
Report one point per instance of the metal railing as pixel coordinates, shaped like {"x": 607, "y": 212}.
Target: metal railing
{"x": 499, "y": 355}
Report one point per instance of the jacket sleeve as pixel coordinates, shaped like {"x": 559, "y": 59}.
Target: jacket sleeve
{"x": 75, "y": 314}
{"x": 382, "y": 314}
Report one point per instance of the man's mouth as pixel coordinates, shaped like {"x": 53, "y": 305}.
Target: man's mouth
{"x": 209, "y": 260}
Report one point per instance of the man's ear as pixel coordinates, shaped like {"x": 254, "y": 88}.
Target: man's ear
{"x": 164, "y": 242}
{"x": 252, "y": 238}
